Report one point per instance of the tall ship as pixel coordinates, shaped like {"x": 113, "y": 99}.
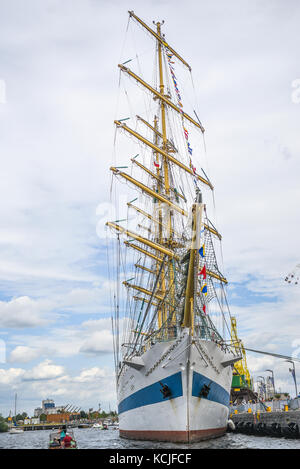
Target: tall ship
{"x": 172, "y": 349}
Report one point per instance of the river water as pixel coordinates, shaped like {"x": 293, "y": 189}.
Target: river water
{"x": 93, "y": 438}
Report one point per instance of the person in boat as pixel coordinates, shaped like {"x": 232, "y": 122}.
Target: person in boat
{"x": 67, "y": 441}
{"x": 56, "y": 442}
{"x": 62, "y": 432}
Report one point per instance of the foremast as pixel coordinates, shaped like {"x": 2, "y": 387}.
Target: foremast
{"x": 193, "y": 264}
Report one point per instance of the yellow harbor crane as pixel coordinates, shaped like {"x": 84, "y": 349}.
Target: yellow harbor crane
{"x": 241, "y": 377}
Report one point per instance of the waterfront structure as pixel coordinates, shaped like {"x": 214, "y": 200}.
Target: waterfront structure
{"x": 48, "y": 404}
{"x": 58, "y": 418}
{"x": 32, "y": 421}
{"x": 38, "y": 412}
{"x": 49, "y": 407}
{"x": 55, "y": 410}
{"x": 270, "y": 391}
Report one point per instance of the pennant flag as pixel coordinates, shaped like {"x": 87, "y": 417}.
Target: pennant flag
{"x": 190, "y": 149}
{"x": 180, "y": 105}
{"x": 204, "y": 289}
{"x": 202, "y": 251}
{"x": 156, "y": 164}
{"x": 204, "y": 309}
{"x": 203, "y": 272}
{"x": 192, "y": 167}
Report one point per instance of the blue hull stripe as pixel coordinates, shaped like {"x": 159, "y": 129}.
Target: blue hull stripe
{"x": 217, "y": 393}
{"x": 152, "y": 394}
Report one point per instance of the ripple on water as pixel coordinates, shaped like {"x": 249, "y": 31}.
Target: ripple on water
{"x": 93, "y": 438}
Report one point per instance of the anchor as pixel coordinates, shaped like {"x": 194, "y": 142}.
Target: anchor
{"x": 204, "y": 391}
{"x": 166, "y": 391}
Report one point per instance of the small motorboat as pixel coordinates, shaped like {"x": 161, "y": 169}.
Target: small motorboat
{"x": 56, "y": 442}
{"x": 113, "y": 426}
{"x": 16, "y": 430}
{"x": 97, "y": 425}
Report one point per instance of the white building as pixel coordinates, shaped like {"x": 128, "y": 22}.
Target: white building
{"x": 48, "y": 407}
{"x": 32, "y": 421}
{"x": 47, "y": 404}
{"x": 38, "y": 411}
{"x": 54, "y": 410}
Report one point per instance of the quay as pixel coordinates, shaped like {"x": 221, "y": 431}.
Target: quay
{"x": 58, "y": 425}
{"x": 46, "y": 426}
{"x": 279, "y": 423}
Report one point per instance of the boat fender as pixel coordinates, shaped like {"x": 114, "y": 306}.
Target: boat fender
{"x": 204, "y": 390}
{"x": 165, "y": 390}
{"x": 230, "y": 425}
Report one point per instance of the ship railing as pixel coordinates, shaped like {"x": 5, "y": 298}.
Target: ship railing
{"x": 173, "y": 332}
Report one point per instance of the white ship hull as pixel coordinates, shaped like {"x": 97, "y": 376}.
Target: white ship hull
{"x": 184, "y": 365}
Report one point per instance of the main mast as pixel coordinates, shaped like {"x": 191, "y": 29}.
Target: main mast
{"x": 167, "y": 313}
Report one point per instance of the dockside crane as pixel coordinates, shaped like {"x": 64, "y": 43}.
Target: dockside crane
{"x": 242, "y": 383}
{"x": 240, "y": 367}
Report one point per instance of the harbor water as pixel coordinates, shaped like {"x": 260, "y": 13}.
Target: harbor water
{"x": 93, "y": 438}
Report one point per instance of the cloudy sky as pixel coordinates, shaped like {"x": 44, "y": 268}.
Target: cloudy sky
{"x": 59, "y": 92}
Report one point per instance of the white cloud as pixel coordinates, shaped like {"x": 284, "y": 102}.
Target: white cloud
{"x": 89, "y": 337}
{"x": 44, "y": 371}
{"x": 98, "y": 342}
{"x": 23, "y": 354}
{"x": 87, "y": 300}
{"x": 24, "y": 312}
{"x": 11, "y": 377}
{"x": 90, "y": 375}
